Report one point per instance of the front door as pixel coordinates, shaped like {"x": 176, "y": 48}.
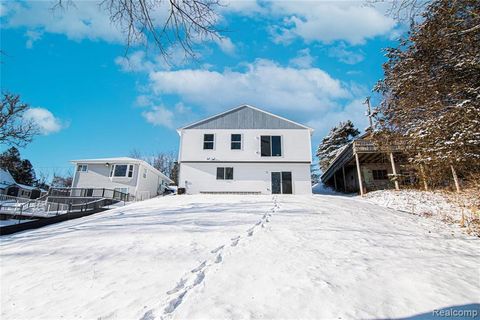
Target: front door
{"x": 282, "y": 182}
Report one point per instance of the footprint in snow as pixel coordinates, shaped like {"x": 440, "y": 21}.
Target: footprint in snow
{"x": 218, "y": 259}
{"x": 199, "y": 278}
{"x": 217, "y": 249}
{"x": 200, "y": 267}
{"x": 250, "y": 232}
{"x": 235, "y": 241}
{"x": 180, "y": 286}
{"x": 174, "y": 303}
{"x": 148, "y": 315}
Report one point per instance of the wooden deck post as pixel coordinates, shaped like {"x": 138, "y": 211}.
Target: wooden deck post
{"x": 424, "y": 177}
{"x": 360, "y": 183}
{"x": 455, "y": 178}
{"x": 394, "y": 170}
{"x": 335, "y": 180}
{"x": 344, "y": 180}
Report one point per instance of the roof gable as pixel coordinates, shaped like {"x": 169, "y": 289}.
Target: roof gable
{"x": 245, "y": 117}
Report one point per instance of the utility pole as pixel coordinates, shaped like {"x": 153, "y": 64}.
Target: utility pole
{"x": 369, "y": 112}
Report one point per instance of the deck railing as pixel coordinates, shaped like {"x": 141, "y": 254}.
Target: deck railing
{"x": 366, "y": 146}
{"x": 90, "y": 193}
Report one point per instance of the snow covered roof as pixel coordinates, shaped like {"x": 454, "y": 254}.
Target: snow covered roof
{"x": 122, "y": 160}
{"x": 6, "y": 178}
{"x": 245, "y": 117}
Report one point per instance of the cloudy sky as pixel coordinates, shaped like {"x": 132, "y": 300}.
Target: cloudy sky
{"x": 313, "y": 62}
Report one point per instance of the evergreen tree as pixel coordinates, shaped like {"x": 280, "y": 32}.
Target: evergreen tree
{"x": 21, "y": 170}
{"x": 338, "y": 137}
{"x": 431, "y": 87}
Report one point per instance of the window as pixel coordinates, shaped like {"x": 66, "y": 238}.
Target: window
{"x": 236, "y": 142}
{"x": 271, "y": 146}
{"x": 224, "y": 173}
{"x": 208, "y": 141}
{"x": 122, "y": 170}
{"x": 82, "y": 168}
{"x": 144, "y": 173}
{"x": 130, "y": 171}
{"x": 380, "y": 174}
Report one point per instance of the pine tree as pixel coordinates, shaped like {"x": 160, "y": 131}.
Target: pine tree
{"x": 21, "y": 170}
{"x": 431, "y": 87}
{"x": 338, "y": 137}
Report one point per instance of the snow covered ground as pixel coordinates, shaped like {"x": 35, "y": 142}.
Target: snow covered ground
{"x": 438, "y": 206}
{"x": 237, "y": 257}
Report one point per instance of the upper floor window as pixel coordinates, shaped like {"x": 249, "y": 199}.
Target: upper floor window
{"x": 122, "y": 170}
{"x": 236, "y": 142}
{"x": 271, "y": 146}
{"x": 208, "y": 141}
{"x": 224, "y": 173}
{"x": 82, "y": 168}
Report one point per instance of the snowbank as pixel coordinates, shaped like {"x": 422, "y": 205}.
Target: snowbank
{"x": 438, "y": 206}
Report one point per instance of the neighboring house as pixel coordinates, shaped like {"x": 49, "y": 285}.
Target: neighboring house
{"x": 245, "y": 150}
{"x": 128, "y": 175}
{"x": 10, "y": 187}
{"x": 364, "y": 165}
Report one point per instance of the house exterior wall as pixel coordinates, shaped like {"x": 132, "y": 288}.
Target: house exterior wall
{"x": 296, "y": 145}
{"x": 150, "y": 184}
{"x": 98, "y": 176}
{"x": 247, "y": 177}
{"x": 252, "y": 172}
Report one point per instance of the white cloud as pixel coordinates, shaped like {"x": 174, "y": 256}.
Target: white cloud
{"x": 226, "y": 45}
{"x": 83, "y": 20}
{"x": 159, "y": 116}
{"x": 32, "y": 36}
{"x": 263, "y": 83}
{"x": 341, "y": 53}
{"x": 303, "y": 59}
{"x": 327, "y": 22}
{"x": 44, "y": 119}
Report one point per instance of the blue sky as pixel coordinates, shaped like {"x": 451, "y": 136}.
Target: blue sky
{"x": 313, "y": 62}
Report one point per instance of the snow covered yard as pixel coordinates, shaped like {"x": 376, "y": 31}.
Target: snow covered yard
{"x": 460, "y": 209}
{"x": 190, "y": 257}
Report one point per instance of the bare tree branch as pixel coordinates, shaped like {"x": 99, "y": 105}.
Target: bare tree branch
{"x": 14, "y": 130}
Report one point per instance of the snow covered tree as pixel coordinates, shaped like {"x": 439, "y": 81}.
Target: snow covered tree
{"x": 337, "y": 138}
{"x": 431, "y": 87}
{"x": 20, "y": 169}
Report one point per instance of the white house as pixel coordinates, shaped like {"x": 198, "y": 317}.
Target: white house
{"x": 128, "y": 175}
{"x": 245, "y": 150}
{"x": 10, "y": 187}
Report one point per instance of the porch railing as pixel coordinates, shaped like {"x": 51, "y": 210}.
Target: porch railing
{"x": 366, "y": 146}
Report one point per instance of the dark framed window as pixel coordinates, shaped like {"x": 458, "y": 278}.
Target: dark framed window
{"x": 271, "y": 146}
{"x": 130, "y": 171}
{"x": 208, "y": 141}
{"x": 120, "y": 170}
{"x": 236, "y": 142}
{"x": 224, "y": 173}
{"x": 82, "y": 168}
{"x": 380, "y": 174}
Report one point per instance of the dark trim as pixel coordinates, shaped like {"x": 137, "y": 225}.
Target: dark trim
{"x": 285, "y": 162}
{"x": 14, "y": 228}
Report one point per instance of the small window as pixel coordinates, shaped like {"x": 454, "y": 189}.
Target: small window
{"x": 130, "y": 171}
{"x": 208, "y": 141}
{"x": 144, "y": 173}
{"x": 82, "y": 168}
{"x": 236, "y": 142}
{"x": 271, "y": 146}
{"x": 380, "y": 174}
{"x": 120, "y": 170}
{"x": 224, "y": 173}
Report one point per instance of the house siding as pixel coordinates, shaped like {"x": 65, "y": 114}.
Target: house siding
{"x": 245, "y": 118}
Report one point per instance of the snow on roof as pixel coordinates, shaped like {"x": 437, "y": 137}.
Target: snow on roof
{"x": 122, "y": 160}
{"x": 6, "y": 177}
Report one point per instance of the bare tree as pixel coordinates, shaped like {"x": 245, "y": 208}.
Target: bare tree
{"x": 165, "y": 162}
{"x": 163, "y": 22}
{"x": 403, "y": 10}
{"x": 14, "y": 129}
{"x": 62, "y": 180}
